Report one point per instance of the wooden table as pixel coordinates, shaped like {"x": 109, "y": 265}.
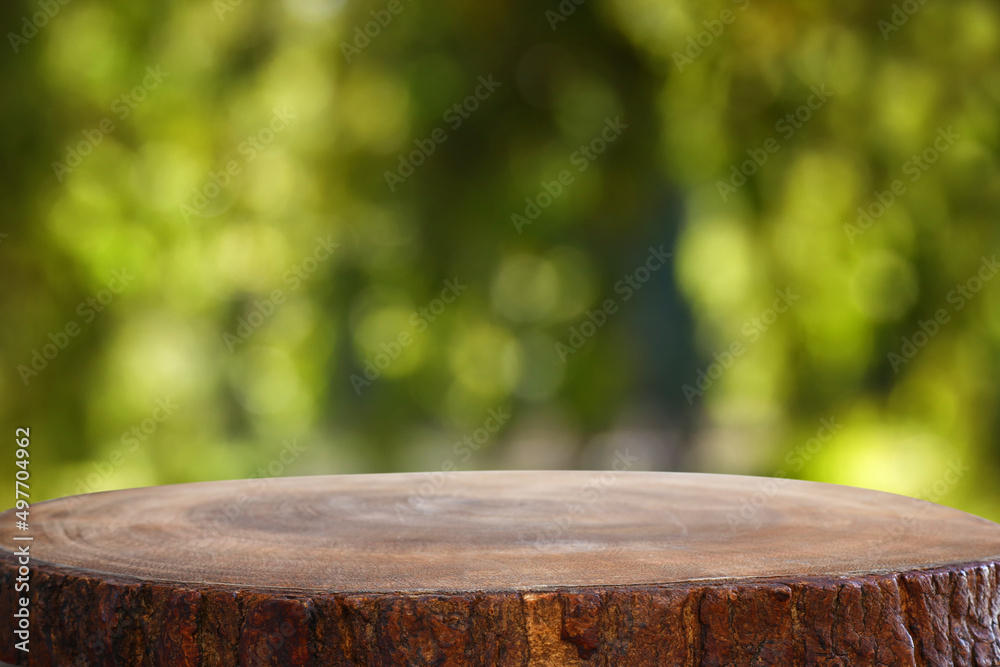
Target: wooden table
{"x": 504, "y": 568}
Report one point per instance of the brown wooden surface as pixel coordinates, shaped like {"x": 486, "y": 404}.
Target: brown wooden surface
{"x": 518, "y": 568}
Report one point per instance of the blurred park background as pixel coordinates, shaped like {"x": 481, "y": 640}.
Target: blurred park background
{"x": 245, "y": 238}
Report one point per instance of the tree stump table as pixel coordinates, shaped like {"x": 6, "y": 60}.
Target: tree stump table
{"x": 503, "y": 568}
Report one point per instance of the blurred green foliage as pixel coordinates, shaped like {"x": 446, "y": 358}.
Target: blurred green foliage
{"x": 231, "y": 164}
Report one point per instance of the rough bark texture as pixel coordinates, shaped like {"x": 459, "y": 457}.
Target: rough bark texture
{"x": 114, "y": 584}
{"x": 944, "y": 616}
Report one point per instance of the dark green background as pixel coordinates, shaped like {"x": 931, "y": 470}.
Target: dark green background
{"x": 887, "y": 93}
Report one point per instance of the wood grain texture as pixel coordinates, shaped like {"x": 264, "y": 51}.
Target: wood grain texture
{"x": 516, "y": 568}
